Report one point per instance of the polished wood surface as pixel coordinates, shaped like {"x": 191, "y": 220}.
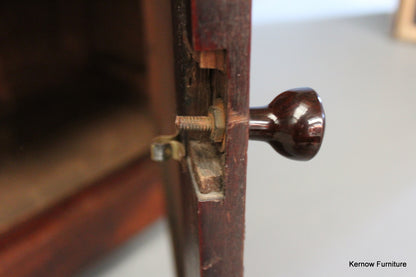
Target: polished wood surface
{"x": 293, "y": 123}
{"x": 160, "y": 89}
{"x": 63, "y": 239}
{"x": 74, "y": 124}
{"x": 42, "y": 174}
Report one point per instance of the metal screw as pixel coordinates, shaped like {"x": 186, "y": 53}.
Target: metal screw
{"x": 214, "y": 122}
{"x": 194, "y": 123}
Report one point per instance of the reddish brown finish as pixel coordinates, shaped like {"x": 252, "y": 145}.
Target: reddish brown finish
{"x": 85, "y": 226}
{"x": 214, "y": 230}
{"x": 49, "y": 50}
{"x": 293, "y": 123}
{"x": 161, "y": 90}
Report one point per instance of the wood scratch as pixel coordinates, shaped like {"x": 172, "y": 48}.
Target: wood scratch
{"x": 235, "y": 118}
{"x": 210, "y": 263}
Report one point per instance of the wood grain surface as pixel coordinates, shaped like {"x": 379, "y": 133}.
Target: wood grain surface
{"x": 66, "y": 237}
{"x": 73, "y": 126}
{"x": 161, "y": 92}
{"x": 213, "y": 230}
{"x": 37, "y": 177}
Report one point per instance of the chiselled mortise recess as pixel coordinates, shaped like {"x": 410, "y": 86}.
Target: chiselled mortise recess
{"x": 212, "y": 59}
{"x": 205, "y": 150}
{"x": 200, "y": 135}
{"x": 204, "y": 161}
{"x": 206, "y": 171}
{"x": 215, "y": 196}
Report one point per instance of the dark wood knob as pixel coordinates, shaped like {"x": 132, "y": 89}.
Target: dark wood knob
{"x": 293, "y": 123}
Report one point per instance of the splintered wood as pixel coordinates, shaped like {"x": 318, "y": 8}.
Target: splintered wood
{"x": 212, "y": 59}
{"x": 206, "y": 166}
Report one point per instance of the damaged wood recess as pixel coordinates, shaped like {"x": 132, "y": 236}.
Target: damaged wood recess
{"x": 205, "y": 155}
{"x": 206, "y": 168}
{"x": 212, "y": 59}
{"x": 205, "y": 133}
{"x": 212, "y": 54}
{"x": 205, "y": 149}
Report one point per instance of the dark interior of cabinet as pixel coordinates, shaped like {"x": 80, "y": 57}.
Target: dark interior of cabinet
{"x": 73, "y": 105}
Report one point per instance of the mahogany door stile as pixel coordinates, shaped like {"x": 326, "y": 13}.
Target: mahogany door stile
{"x": 212, "y": 55}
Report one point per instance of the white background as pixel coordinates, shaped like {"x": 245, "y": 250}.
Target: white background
{"x": 273, "y": 11}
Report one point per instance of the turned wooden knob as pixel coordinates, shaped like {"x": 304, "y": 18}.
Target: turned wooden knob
{"x": 293, "y": 123}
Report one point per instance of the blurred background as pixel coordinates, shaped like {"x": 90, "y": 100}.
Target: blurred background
{"x": 275, "y": 11}
{"x": 357, "y": 199}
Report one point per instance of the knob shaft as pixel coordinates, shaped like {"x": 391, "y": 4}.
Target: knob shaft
{"x": 293, "y": 123}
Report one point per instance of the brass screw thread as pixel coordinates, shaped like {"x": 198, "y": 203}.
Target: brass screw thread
{"x": 194, "y": 123}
